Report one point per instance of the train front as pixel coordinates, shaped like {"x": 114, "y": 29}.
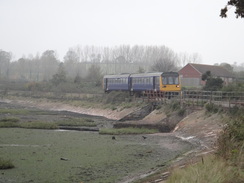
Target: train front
{"x": 170, "y": 82}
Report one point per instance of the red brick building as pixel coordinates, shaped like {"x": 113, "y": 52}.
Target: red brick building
{"x": 191, "y": 74}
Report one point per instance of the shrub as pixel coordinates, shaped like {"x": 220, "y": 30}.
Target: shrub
{"x": 6, "y": 164}
{"x": 231, "y": 140}
{"x": 116, "y": 97}
{"x": 211, "y": 169}
{"x": 181, "y": 112}
{"x": 212, "y": 108}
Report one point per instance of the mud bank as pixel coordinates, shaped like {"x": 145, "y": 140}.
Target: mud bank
{"x": 73, "y": 156}
{"x": 59, "y": 106}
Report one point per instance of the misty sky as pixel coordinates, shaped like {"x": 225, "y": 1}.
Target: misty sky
{"x": 185, "y": 26}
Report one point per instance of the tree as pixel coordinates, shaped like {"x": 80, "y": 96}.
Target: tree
{"x": 238, "y": 4}
{"x": 60, "y": 76}
{"x": 95, "y": 75}
{"x": 5, "y": 58}
{"x": 227, "y": 66}
{"x": 71, "y": 61}
{"x": 71, "y": 57}
{"x": 49, "y": 63}
{"x": 77, "y": 79}
{"x": 212, "y": 84}
{"x": 206, "y": 76}
{"x": 141, "y": 70}
{"x": 164, "y": 59}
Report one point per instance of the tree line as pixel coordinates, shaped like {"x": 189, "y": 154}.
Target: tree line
{"x": 79, "y": 60}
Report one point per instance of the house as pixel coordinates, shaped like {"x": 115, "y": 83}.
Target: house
{"x": 191, "y": 74}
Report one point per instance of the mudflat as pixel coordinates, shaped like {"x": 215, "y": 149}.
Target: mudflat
{"x": 78, "y": 156}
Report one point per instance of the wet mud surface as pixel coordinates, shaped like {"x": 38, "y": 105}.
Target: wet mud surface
{"x": 78, "y": 156}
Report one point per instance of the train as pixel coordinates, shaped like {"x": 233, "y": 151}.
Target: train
{"x": 141, "y": 82}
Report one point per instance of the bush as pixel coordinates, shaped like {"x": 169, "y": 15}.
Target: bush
{"x": 116, "y": 97}
{"x": 181, "y": 112}
{"x": 211, "y": 169}
{"x": 231, "y": 140}
{"x": 212, "y": 108}
{"x": 6, "y": 164}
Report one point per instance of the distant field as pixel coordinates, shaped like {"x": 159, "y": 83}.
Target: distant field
{"x": 70, "y": 156}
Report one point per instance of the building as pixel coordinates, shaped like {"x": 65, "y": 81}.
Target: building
{"x": 191, "y": 74}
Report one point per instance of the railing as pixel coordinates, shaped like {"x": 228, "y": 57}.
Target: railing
{"x": 227, "y": 99}
{"x": 197, "y": 97}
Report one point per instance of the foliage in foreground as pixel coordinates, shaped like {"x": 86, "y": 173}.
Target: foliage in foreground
{"x": 6, "y": 164}
{"x": 231, "y": 140}
{"x": 123, "y": 131}
{"x": 212, "y": 170}
{"x": 229, "y": 159}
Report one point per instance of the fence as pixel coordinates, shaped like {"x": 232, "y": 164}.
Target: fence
{"x": 226, "y": 99}
{"x": 197, "y": 97}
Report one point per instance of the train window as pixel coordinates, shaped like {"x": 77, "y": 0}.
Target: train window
{"x": 134, "y": 80}
{"x": 165, "y": 80}
{"x": 176, "y": 80}
{"x": 170, "y": 80}
{"x": 151, "y": 80}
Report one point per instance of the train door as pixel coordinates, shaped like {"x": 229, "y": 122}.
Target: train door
{"x": 105, "y": 84}
{"x": 156, "y": 83}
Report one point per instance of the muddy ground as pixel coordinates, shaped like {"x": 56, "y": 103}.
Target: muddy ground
{"x": 78, "y": 156}
{"x": 196, "y": 134}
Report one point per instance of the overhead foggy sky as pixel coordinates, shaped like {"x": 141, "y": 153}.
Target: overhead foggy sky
{"x": 191, "y": 26}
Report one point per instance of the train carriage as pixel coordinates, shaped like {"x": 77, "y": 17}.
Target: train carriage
{"x": 116, "y": 82}
{"x": 145, "y": 81}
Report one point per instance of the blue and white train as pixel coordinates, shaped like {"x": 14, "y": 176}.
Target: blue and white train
{"x": 137, "y": 83}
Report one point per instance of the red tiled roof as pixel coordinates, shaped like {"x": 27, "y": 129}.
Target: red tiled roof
{"x": 217, "y": 71}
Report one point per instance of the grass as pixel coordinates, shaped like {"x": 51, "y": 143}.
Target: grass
{"x": 4, "y": 123}
{"x": 212, "y": 170}
{"x": 227, "y": 164}
{"x": 8, "y": 122}
{"x": 77, "y": 122}
{"x": 6, "y": 164}
{"x": 14, "y": 111}
{"x": 14, "y": 122}
{"x": 38, "y": 125}
{"x": 124, "y": 131}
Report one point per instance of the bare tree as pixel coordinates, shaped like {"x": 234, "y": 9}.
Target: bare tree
{"x": 71, "y": 61}
{"x": 164, "y": 59}
{"x": 185, "y": 58}
{"x": 5, "y": 58}
{"x": 49, "y": 64}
